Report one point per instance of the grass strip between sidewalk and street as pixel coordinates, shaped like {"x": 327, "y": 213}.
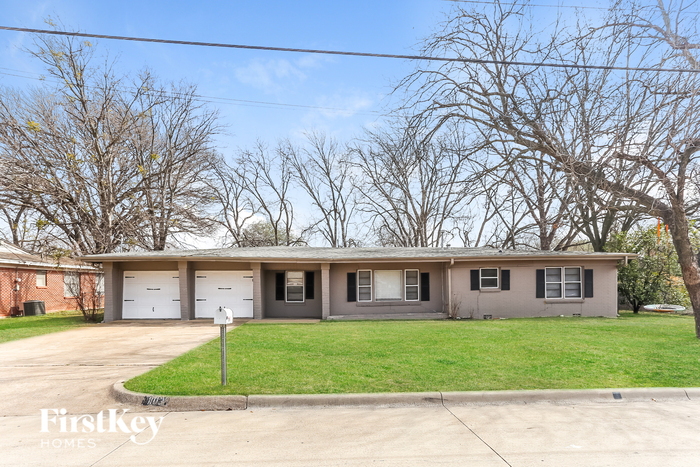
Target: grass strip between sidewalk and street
{"x": 29, "y": 326}
{"x": 644, "y": 350}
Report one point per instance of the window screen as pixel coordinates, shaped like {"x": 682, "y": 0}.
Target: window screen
{"x": 41, "y": 279}
{"x": 295, "y": 286}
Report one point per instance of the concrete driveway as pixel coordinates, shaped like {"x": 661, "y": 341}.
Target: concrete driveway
{"x": 75, "y": 369}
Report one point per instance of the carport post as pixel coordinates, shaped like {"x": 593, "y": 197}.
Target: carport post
{"x": 223, "y": 354}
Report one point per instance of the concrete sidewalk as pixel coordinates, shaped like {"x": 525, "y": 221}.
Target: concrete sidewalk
{"x": 633, "y": 434}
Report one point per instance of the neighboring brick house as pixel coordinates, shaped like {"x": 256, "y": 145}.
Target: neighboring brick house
{"x": 24, "y": 277}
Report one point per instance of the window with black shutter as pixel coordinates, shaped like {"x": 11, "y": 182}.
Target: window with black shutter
{"x": 475, "y": 279}
{"x": 588, "y": 283}
{"x": 279, "y": 286}
{"x": 352, "y": 287}
{"x": 539, "y": 288}
{"x": 309, "y": 285}
{"x": 425, "y": 286}
{"x": 505, "y": 279}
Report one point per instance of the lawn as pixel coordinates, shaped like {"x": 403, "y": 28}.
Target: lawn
{"x": 645, "y": 350}
{"x": 29, "y": 326}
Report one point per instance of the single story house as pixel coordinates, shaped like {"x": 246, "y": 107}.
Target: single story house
{"x": 25, "y": 276}
{"x": 359, "y": 283}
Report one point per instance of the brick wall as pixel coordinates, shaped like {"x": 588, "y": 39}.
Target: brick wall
{"x": 51, "y": 295}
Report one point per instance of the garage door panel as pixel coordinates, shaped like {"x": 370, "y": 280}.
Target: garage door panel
{"x": 151, "y": 295}
{"x": 230, "y": 289}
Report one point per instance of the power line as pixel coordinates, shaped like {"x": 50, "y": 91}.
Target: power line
{"x": 353, "y": 54}
{"x": 218, "y": 100}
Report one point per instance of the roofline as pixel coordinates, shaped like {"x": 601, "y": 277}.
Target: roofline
{"x": 437, "y": 259}
{"x": 35, "y": 265}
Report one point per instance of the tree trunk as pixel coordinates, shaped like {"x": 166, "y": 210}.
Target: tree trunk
{"x": 678, "y": 226}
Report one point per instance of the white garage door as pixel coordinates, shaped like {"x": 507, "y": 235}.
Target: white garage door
{"x": 230, "y": 289}
{"x": 151, "y": 295}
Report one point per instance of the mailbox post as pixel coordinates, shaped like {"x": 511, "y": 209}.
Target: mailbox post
{"x": 222, "y": 317}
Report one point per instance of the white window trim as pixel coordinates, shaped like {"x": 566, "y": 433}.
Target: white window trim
{"x": 562, "y": 283}
{"x": 498, "y": 281}
{"x": 371, "y": 285}
{"x": 303, "y": 287}
{"x": 67, "y": 274}
{"x": 579, "y": 282}
{"x": 45, "y": 273}
{"x": 406, "y": 286}
{"x": 99, "y": 279}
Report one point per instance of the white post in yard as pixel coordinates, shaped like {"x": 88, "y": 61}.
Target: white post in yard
{"x": 223, "y": 354}
{"x": 222, "y": 317}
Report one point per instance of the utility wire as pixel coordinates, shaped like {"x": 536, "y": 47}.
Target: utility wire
{"x": 353, "y": 54}
{"x": 216, "y": 99}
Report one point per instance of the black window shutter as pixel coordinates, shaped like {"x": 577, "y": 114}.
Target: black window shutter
{"x": 588, "y": 283}
{"x": 309, "y": 286}
{"x": 475, "y": 279}
{"x": 424, "y": 286}
{"x": 279, "y": 286}
{"x": 352, "y": 286}
{"x": 505, "y": 279}
{"x": 540, "y": 284}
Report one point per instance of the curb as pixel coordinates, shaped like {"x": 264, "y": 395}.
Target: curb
{"x": 399, "y": 399}
{"x": 566, "y": 396}
{"x": 176, "y": 403}
{"x": 409, "y": 399}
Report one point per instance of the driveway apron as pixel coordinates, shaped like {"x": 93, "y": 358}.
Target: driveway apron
{"x": 74, "y": 370}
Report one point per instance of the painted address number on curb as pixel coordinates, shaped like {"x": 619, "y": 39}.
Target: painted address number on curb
{"x": 158, "y": 401}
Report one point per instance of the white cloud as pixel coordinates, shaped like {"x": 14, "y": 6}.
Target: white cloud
{"x": 269, "y": 75}
{"x": 347, "y": 105}
{"x": 273, "y": 76}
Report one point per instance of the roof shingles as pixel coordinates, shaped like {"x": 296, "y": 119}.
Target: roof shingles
{"x": 283, "y": 253}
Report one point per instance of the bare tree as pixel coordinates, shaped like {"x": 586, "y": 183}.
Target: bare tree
{"x": 25, "y": 229}
{"x": 65, "y": 148}
{"x": 173, "y": 148}
{"x": 547, "y": 194}
{"x": 70, "y": 156}
{"x": 87, "y": 289}
{"x": 614, "y": 131}
{"x": 410, "y": 188}
{"x": 323, "y": 171}
{"x": 266, "y": 178}
{"x": 236, "y": 210}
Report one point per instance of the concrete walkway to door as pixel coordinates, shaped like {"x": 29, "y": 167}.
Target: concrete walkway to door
{"x": 75, "y": 369}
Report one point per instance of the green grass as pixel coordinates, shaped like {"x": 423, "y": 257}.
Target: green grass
{"x": 645, "y": 350}
{"x": 29, "y": 326}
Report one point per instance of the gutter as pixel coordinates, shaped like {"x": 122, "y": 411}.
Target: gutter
{"x": 33, "y": 265}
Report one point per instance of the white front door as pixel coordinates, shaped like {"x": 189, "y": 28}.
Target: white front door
{"x": 151, "y": 295}
{"x": 229, "y": 289}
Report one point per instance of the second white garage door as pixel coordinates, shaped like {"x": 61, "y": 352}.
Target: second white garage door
{"x": 230, "y": 289}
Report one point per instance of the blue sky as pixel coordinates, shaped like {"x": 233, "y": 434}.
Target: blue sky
{"x": 358, "y": 86}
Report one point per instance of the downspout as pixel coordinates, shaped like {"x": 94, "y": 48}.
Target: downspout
{"x": 449, "y": 287}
